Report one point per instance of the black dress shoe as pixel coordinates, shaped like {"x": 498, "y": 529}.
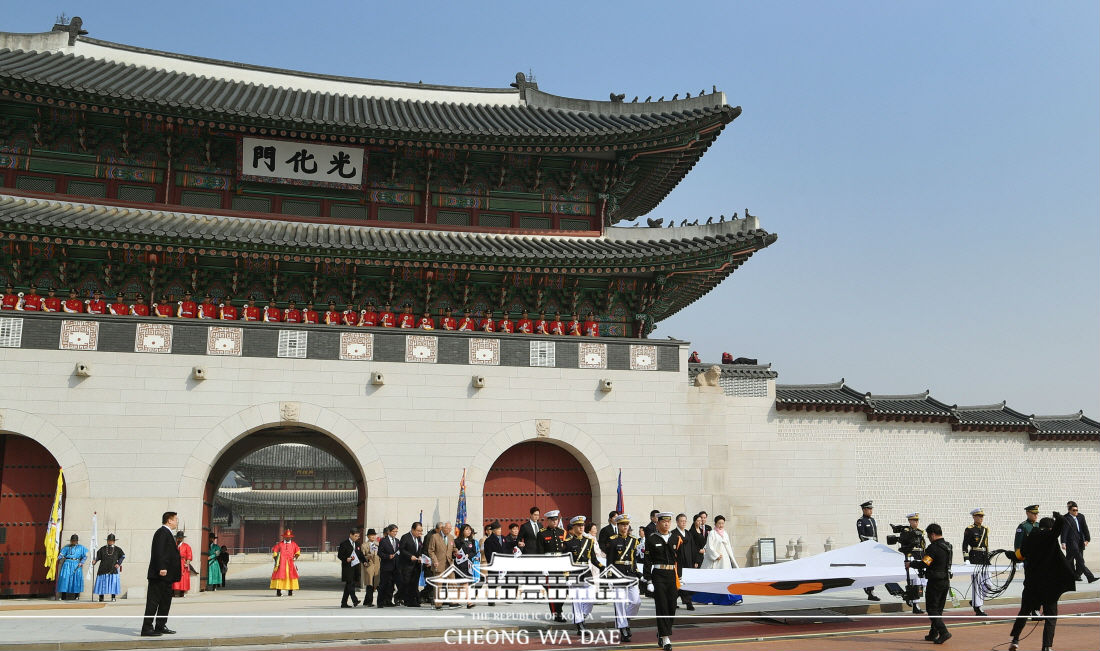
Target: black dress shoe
{"x": 917, "y": 610}
{"x": 164, "y": 630}
{"x": 980, "y": 613}
{"x": 940, "y": 640}
{"x": 345, "y": 606}
{"x": 873, "y": 597}
{"x": 151, "y": 633}
{"x": 931, "y": 637}
{"x": 690, "y": 606}
{"x": 1093, "y": 579}
{"x": 626, "y": 633}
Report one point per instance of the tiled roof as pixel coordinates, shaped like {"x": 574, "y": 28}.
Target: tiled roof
{"x": 915, "y": 406}
{"x": 997, "y": 417}
{"x": 238, "y": 497}
{"x": 832, "y": 396}
{"x": 289, "y": 455}
{"x": 735, "y": 370}
{"x": 163, "y": 88}
{"x": 1069, "y": 427}
{"x": 72, "y": 219}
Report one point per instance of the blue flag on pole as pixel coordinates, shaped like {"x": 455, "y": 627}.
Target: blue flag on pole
{"x": 421, "y": 518}
{"x": 460, "y": 516}
{"x": 619, "y": 506}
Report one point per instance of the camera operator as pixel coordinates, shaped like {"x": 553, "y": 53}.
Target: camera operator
{"x": 918, "y": 552}
{"x": 936, "y": 566}
{"x": 976, "y": 548}
{"x": 1046, "y": 577}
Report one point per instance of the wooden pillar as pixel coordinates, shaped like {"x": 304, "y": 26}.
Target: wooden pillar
{"x": 323, "y": 545}
{"x": 240, "y": 536}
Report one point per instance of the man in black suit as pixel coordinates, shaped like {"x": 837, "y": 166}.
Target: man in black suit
{"x": 350, "y": 557}
{"x": 609, "y": 530}
{"x": 1075, "y": 538}
{"x": 410, "y": 551}
{"x": 683, "y": 555}
{"x": 388, "y": 551}
{"x": 494, "y": 542}
{"x": 164, "y": 570}
{"x": 650, "y": 528}
{"x": 528, "y": 541}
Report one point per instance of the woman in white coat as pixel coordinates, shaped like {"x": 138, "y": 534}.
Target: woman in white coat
{"x": 718, "y": 554}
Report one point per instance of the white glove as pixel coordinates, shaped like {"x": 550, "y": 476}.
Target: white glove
{"x": 649, "y": 586}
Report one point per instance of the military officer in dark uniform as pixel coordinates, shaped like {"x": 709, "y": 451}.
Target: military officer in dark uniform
{"x": 937, "y": 563}
{"x": 580, "y": 547}
{"x": 661, "y": 555}
{"x": 1024, "y": 530}
{"x": 914, "y": 524}
{"x": 622, "y": 553}
{"x": 867, "y": 529}
{"x": 552, "y": 541}
{"x": 975, "y": 547}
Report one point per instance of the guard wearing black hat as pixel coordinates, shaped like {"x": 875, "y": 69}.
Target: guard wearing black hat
{"x": 551, "y": 540}
{"x": 975, "y": 546}
{"x": 1025, "y": 529}
{"x": 867, "y": 529}
{"x": 661, "y": 556}
{"x": 109, "y": 557}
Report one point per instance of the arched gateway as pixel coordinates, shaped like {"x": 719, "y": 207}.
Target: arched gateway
{"x": 535, "y": 474}
{"x": 28, "y": 483}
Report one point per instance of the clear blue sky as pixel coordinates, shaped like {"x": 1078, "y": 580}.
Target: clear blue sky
{"x": 931, "y": 168}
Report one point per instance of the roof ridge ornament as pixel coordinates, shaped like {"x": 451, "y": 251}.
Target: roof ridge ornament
{"x": 522, "y": 84}
{"x": 73, "y": 27}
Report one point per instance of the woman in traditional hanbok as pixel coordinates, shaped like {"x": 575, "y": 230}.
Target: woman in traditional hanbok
{"x": 186, "y": 556}
{"x": 285, "y": 574}
{"x": 718, "y": 554}
{"x": 109, "y": 557}
{"x": 213, "y": 567}
{"x": 70, "y": 580}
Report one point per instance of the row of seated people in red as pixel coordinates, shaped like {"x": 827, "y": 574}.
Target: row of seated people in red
{"x": 351, "y": 316}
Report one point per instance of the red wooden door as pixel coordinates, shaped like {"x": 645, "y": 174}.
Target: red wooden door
{"x": 536, "y": 474}
{"x": 28, "y": 482}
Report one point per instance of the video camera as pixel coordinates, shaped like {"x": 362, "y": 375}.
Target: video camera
{"x": 906, "y": 539}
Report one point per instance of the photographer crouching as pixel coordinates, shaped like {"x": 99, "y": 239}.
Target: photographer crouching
{"x": 935, "y": 565}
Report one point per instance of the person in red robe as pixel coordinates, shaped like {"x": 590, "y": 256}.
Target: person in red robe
{"x": 506, "y": 325}
{"x": 448, "y": 322}
{"x": 51, "y": 303}
{"x": 72, "y": 305}
{"x": 350, "y": 317}
{"x": 272, "y": 313}
{"x": 387, "y": 319}
{"x": 182, "y": 586}
{"x": 207, "y": 310}
{"x": 309, "y": 315}
{"x": 573, "y": 328}
{"x": 31, "y": 302}
{"x": 466, "y": 323}
{"x": 251, "y": 312}
{"x": 727, "y": 358}
{"x": 542, "y": 326}
{"x": 226, "y": 310}
{"x": 139, "y": 308}
{"x": 368, "y": 318}
{"x": 119, "y": 307}
{"x": 591, "y": 326}
{"x": 332, "y": 315}
{"x": 188, "y": 309}
{"x": 285, "y": 574}
{"x": 556, "y": 326}
{"x": 524, "y": 325}
{"x": 10, "y": 299}
{"x": 292, "y": 314}
{"x": 694, "y": 359}
{"x": 164, "y": 307}
{"x": 96, "y": 305}
{"x": 406, "y": 320}
{"x": 487, "y": 324}
{"x": 426, "y": 322}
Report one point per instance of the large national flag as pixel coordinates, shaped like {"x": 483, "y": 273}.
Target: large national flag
{"x": 460, "y": 516}
{"x": 94, "y": 543}
{"x": 619, "y": 506}
{"x": 53, "y": 532}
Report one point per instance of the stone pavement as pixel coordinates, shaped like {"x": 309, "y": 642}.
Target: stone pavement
{"x": 247, "y": 613}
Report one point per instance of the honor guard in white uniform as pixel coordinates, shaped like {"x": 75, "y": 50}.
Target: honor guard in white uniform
{"x": 975, "y": 547}
{"x": 622, "y": 552}
{"x": 867, "y": 529}
{"x": 579, "y": 547}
